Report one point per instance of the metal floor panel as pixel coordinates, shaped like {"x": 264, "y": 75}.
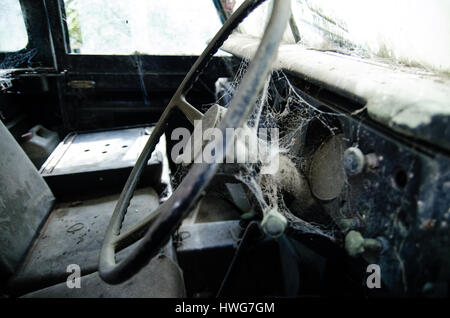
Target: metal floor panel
{"x": 74, "y": 234}
{"x": 161, "y": 278}
{"x": 91, "y": 161}
{"x": 93, "y": 151}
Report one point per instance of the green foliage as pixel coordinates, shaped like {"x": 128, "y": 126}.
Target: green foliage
{"x": 73, "y": 24}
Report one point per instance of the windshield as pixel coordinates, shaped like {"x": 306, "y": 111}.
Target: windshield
{"x": 13, "y": 33}
{"x": 410, "y": 32}
{"x": 154, "y": 27}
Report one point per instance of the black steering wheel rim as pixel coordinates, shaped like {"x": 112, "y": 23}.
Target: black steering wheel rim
{"x": 162, "y": 223}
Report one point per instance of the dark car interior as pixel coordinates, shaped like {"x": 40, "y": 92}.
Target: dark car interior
{"x": 359, "y": 205}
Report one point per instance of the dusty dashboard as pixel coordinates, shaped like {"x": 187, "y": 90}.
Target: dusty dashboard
{"x": 373, "y": 156}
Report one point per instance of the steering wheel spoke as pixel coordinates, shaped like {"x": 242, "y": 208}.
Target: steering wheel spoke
{"x": 188, "y": 110}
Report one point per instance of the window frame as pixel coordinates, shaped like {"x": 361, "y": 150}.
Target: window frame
{"x": 115, "y": 76}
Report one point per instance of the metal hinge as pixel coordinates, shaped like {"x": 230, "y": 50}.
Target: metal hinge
{"x": 81, "y": 84}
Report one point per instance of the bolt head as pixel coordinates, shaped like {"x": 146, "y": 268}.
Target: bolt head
{"x": 274, "y": 223}
{"x": 353, "y": 161}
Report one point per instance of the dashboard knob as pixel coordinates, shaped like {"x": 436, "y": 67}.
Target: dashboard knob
{"x": 354, "y": 161}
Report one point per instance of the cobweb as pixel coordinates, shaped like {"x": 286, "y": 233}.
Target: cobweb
{"x": 15, "y": 60}
{"x": 280, "y": 105}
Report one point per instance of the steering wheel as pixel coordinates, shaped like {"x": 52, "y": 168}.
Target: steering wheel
{"x": 157, "y": 228}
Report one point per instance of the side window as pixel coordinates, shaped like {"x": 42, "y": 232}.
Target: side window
{"x": 13, "y": 33}
{"x": 154, "y": 27}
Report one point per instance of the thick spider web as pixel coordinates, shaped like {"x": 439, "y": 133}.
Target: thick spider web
{"x": 280, "y": 105}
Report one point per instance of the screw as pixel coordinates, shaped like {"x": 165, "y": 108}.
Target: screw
{"x": 356, "y": 244}
{"x": 355, "y": 161}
